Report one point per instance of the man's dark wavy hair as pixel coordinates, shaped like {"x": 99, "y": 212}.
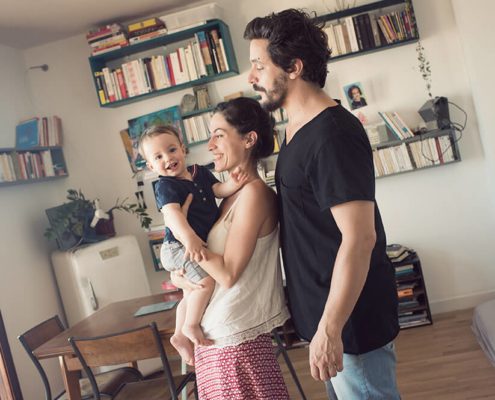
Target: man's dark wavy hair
{"x": 293, "y": 34}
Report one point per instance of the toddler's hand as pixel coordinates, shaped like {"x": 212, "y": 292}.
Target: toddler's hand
{"x": 239, "y": 176}
{"x": 195, "y": 249}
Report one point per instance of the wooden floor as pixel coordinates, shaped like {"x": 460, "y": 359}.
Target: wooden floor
{"x": 438, "y": 362}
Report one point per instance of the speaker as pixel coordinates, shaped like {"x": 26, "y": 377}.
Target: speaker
{"x": 435, "y": 113}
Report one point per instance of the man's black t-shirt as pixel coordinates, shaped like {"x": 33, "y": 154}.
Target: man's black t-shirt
{"x": 329, "y": 162}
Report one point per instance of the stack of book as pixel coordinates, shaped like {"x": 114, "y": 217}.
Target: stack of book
{"x": 411, "y": 318}
{"x": 397, "y": 252}
{"x": 148, "y": 29}
{"x": 107, "y": 38}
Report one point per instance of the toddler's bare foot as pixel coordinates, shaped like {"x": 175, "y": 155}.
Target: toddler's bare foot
{"x": 184, "y": 346}
{"x": 195, "y": 335}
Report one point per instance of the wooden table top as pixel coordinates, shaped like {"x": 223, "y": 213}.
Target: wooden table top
{"x": 115, "y": 317}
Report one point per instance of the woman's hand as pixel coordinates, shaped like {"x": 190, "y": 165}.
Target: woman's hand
{"x": 178, "y": 279}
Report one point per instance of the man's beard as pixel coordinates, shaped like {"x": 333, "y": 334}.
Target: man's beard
{"x": 275, "y": 97}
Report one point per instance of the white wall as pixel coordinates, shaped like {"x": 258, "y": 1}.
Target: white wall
{"x": 27, "y": 289}
{"x": 479, "y": 52}
{"x": 444, "y": 213}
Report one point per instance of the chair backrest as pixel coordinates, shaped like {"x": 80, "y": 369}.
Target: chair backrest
{"x": 34, "y": 338}
{"x": 119, "y": 348}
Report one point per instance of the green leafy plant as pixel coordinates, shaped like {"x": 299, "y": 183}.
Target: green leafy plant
{"x": 424, "y": 67}
{"x": 76, "y": 215}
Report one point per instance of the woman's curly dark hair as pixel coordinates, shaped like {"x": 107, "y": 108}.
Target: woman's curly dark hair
{"x": 246, "y": 115}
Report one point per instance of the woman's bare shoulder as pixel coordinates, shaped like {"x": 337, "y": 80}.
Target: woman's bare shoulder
{"x": 259, "y": 195}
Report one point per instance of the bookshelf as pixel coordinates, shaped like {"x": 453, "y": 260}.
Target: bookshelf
{"x": 414, "y": 308}
{"x": 160, "y": 46}
{"x": 36, "y": 164}
{"x": 426, "y": 150}
{"x": 369, "y": 28}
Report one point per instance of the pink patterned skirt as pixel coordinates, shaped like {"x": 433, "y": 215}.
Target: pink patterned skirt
{"x": 248, "y": 371}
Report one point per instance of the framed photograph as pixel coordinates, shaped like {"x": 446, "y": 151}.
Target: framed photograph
{"x": 355, "y": 95}
{"x": 130, "y": 136}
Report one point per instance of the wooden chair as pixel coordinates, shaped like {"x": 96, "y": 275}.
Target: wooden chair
{"x": 109, "y": 381}
{"x": 131, "y": 345}
{"x": 282, "y": 349}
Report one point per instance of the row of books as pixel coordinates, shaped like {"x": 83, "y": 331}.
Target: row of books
{"x": 39, "y": 132}
{"x": 197, "y": 127}
{"x": 413, "y": 155}
{"x": 368, "y": 31}
{"x": 396, "y": 125}
{"x": 15, "y": 166}
{"x": 203, "y": 56}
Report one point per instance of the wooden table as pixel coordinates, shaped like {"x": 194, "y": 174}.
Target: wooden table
{"x": 113, "y": 318}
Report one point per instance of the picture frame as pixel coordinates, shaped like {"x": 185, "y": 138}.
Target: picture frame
{"x": 355, "y": 95}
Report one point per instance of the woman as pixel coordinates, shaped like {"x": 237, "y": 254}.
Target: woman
{"x": 242, "y": 258}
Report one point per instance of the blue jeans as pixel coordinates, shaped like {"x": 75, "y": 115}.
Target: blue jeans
{"x": 367, "y": 376}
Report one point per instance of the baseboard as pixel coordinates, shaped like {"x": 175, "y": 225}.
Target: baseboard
{"x": 460, "y": 302}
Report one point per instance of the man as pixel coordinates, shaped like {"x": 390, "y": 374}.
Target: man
{"x": 340, "y": 282}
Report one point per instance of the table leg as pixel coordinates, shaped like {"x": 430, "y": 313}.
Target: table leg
{"x": 71, "y": 381}
{"x": 183, "y": 370}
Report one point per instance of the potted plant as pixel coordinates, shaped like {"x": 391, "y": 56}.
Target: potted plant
{"x": 435, "y": 111}
{"x": 424, "y": 67}
{"x": 82, "y": 220}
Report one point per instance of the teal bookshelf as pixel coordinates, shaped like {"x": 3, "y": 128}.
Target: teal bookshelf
{"x": 163, "y": 45}
{"x": 25, "y": 166}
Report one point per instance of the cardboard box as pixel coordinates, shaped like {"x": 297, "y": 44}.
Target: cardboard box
{"x": 191, "y": 17}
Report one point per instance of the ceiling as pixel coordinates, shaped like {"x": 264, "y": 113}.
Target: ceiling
{"x": 30, "y": 23}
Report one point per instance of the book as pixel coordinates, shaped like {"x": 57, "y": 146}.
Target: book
{"x": 148, "y": 36}
{"x": 147, "y": 23}
{"x": 154, "y": 308}
{"x": 26, "y": 134}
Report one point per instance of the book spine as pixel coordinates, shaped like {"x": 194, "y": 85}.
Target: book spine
{"x": 349, "y": 24}
{"x": 170, "y": 70}
{"x": 199, "y": 58}
{"x": 224, "y": 55}
{"x": 374, "y": 28}
{"x": 121, "y": 83}
{"x": 357, "y": 31}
